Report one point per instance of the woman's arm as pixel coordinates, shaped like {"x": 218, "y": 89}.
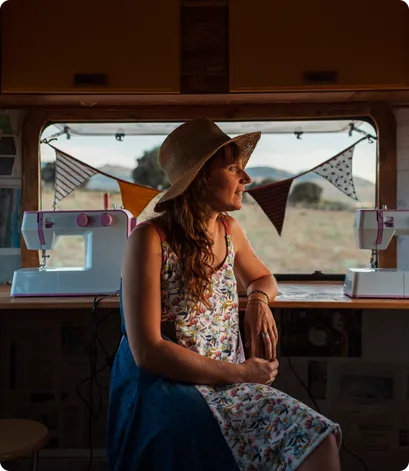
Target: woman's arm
{"x": 252, "y": 272}
{"x": 141, "y": 297}
{"x": 255, "y": 276}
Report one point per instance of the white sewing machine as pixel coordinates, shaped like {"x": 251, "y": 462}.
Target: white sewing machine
{"x": 374, "y": 229}
{"x": 105, "y": 233}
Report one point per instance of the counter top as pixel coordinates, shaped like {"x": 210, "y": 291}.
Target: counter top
{"x": 324, "y": 295}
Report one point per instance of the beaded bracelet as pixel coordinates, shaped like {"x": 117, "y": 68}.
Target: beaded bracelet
{"x": 260, "y": 292}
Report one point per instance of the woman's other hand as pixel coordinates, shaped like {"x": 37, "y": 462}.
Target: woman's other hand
{"x": 261, "y": 286}
{"x": 259, "y": 371}
{"x": 260, "y": 330}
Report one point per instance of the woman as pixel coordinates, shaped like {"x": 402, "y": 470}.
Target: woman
{"x": 182, "y": 396}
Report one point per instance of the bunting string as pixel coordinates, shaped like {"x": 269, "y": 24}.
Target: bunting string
{"x": 272, "y": 198}
{"x": 338, "y": 170}
{"x": 70, "y": 173}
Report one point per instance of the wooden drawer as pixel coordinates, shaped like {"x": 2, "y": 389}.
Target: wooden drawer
{"x": 80, "y": 46}
{"x": 353, "y": 44}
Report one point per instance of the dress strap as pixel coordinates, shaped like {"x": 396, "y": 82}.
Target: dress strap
{"x": 226, "y": 226}
{"x": 159, "y": 230}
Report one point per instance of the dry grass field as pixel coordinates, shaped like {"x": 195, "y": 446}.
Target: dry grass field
{"x": 311, "y": 240}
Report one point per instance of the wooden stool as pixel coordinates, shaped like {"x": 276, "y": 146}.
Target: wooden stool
{"x": 19, "y": 438}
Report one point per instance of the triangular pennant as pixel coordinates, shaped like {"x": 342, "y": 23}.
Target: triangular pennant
{"x": 272, "y": 199}
{"x": 70, "y": 173}
{"x": 135, "y": 197}
{"x": 338, "y": 171}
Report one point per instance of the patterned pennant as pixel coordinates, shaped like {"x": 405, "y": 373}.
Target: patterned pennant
{"x": 338, "y": 171}
{"x": 70, "y": 173}
{"x": 272, "y": 199}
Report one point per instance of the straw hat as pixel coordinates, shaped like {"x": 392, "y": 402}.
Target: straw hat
{"x": 187, "y": 148}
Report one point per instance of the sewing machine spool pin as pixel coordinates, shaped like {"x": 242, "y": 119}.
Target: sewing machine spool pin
{"x": 106, "y": 201}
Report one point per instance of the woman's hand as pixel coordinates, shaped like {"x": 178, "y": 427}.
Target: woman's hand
{"x": 259, "y": 371}
{"x": 260, "y": 330}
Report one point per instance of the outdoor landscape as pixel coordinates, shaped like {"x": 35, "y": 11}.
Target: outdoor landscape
{"x": 316, "y": 235}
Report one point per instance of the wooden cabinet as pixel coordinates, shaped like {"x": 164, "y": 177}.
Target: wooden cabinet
{"x": 91, "y": 46}
{"x": 317, "y": 44}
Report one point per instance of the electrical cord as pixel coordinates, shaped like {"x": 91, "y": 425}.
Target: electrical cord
{"x": 94, "y": 412}
{"x": 310, "y": 395}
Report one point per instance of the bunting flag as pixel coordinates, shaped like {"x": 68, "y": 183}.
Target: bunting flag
{"x": 135, "y": 197}
{"x": 338, "y": 171}
{"x": 272, "y": 199}
{"x": 70, "y": 173}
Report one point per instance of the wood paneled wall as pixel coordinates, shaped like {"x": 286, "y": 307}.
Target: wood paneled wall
{"x": 204, "y": 46}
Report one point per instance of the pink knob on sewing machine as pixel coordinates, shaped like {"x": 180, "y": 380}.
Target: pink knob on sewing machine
{"x": 105, "y": 219}
{"x": 82, "y": 220}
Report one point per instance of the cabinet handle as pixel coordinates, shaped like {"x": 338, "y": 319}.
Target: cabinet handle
{"x": 96, "y": 80}
{"x": 321, "y": 77}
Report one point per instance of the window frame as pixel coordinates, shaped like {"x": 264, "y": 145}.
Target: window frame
{"x": 380, "y": 117}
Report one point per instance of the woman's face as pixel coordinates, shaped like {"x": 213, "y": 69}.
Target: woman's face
{"x": 226, "y": 185}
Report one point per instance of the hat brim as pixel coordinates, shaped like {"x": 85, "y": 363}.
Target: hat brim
{"x": 246, "y": 143}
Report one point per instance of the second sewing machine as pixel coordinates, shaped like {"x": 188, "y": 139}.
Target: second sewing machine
{"x": 374, "y": 230}
{"x": 105, "y": 233}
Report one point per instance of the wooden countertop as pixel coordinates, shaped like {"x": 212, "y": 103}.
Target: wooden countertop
{"x": 293, "y": 295}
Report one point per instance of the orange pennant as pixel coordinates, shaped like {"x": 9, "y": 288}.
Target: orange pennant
{"x": 135, "y": 197}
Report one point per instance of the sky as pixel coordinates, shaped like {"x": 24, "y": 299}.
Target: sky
{"x": 282, "y": 151}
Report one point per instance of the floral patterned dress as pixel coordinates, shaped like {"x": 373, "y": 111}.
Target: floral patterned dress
{"x": 244, "y": 427}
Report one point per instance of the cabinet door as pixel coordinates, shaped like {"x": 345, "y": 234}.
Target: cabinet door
{"x": 317, "y": 44}
{"x": 81, "y": 46}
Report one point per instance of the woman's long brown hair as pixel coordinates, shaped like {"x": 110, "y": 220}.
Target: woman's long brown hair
{"x": 186, "y": 218}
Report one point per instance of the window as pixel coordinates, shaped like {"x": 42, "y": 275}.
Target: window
{"x": 317, "y": 234}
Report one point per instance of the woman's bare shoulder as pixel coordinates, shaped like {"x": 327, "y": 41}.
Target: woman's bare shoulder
{"x": 145, "y": 237}
{"x": 233, "y": 224}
